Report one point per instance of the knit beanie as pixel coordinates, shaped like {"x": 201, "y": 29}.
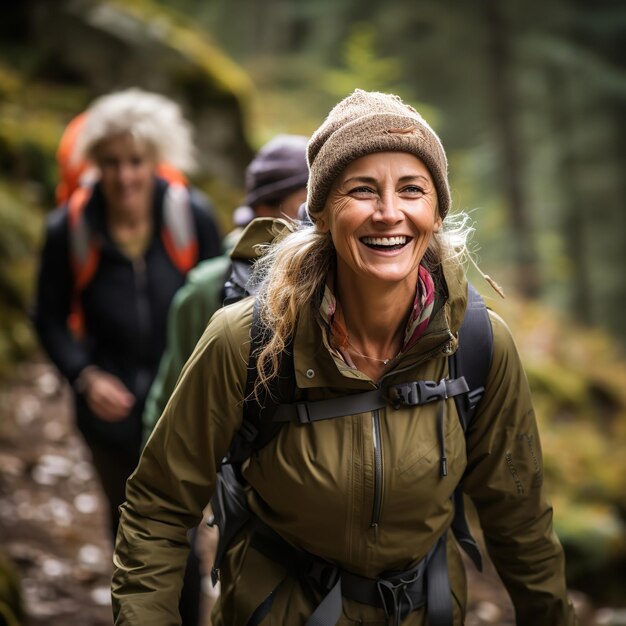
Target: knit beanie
{"x": 367, "y": 122}
{"x": 278, "y": 168}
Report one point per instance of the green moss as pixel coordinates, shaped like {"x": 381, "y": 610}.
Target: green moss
{"x": 10, "y": 82}
{"x": 567, "y": 387}
{"x": 21, "y": 223}
{"x": 178, "y": 33}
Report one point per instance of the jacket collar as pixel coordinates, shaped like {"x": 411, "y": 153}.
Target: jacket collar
{"x": 315, "y": 365}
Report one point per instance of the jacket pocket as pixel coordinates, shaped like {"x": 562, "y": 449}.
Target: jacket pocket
{"x": 423, "y": 450}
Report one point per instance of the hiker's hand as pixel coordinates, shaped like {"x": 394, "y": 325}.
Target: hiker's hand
{"x": 107, "y": 396}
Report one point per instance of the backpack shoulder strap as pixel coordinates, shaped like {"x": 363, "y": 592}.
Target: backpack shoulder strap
{"x": 472, "y": 360}
{"x": 178, "y": 232}
{"x": 84, "y": 249}
{"x": 258, "y": 427}
{"x": 237, "y": 281}
{"x": 84, "y": 255}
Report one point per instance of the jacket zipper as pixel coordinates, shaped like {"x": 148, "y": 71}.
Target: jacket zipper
{"x": 378, "y": 469}
{"x": 143, "y": 305}
{"x": 142, "y": 380}
{"x": 378, "y": 452}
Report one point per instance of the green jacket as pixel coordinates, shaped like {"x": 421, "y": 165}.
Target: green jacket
{"x": 193, "y": 306}
{"x": 314, "y": 484}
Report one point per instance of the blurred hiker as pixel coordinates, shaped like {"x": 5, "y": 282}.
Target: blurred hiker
{"x": 114, "y": 255}
{"x": 275, "y": 187}
{"x": 356, "y": 400}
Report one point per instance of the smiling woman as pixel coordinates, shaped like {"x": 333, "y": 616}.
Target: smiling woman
{"x": 349, "y": 499}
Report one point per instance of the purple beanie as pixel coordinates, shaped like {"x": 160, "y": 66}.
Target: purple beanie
{"x": 278, "y": 168}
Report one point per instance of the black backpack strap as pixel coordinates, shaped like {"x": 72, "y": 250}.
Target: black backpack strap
{"x": 236, "y": 281}
{"x": 472, "y": 361}
{"x": 258, "y": 426}
{"x": 413, "y": 393}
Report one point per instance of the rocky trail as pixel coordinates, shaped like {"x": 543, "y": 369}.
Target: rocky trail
{"x": 52, "y": 520}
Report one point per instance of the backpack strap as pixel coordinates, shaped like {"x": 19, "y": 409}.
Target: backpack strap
{"x": 473, "y": 357}
{"x": 258, "y": 426}
{"x": 84, "y": 253}
{"x": 472, "y": 361}
{"x": 236, "y": 281}
{"x": 414, "y": 393}
{"x": 179, "y": 229}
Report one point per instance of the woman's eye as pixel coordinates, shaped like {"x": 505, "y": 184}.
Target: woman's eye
{"x": 362, "y": 191}
{"x": 413, "y": 189}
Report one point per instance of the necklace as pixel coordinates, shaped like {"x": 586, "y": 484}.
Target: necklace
{"x": 371, "y": 358}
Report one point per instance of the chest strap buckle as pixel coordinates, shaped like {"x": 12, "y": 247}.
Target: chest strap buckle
{"x": 419, "y": 392}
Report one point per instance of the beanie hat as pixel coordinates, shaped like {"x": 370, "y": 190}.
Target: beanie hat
{"x": 367, "y": 122}
{"x": 278, "y": 168}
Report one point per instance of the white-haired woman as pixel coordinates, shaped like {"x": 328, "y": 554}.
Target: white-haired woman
{"x": 347, "y": 514}
{"x": 114, "y": 255}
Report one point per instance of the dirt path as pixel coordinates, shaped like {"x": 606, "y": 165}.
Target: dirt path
{"x": 52, "y": 519}
{"x": 51, "y": 515}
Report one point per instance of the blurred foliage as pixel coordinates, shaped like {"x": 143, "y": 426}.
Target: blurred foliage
{"x": 577, "y": 377}
{"x": 20, "y": 226}
{"x": 28, "y": 137}
{"x": 363, "y": 66}
{"x": 181, "y": 35}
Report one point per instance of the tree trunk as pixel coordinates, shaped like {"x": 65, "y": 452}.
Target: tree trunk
{"x": 504, "y": 105}
{"x": 573, "y": 220}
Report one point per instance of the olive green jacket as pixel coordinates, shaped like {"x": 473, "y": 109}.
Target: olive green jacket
{"x": 315, "y": 484}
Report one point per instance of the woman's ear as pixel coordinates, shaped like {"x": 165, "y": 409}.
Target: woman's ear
{"x": 438, "y": 224}
{"x": 321, "y": 225}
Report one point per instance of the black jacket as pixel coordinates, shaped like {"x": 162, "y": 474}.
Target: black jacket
{"x": 125, "y": 307}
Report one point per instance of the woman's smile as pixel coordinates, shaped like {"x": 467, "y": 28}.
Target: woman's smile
{"x": 386, "y": 244}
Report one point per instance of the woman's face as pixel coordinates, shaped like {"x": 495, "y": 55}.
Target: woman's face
{"x": 127, "y": 169}
{"x": 381, "y": 213}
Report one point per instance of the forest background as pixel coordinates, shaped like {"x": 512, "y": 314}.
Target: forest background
{"x": 528, "y": 98}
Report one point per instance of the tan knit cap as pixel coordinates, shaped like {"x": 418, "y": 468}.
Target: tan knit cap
{"x": 367, "y": 122}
